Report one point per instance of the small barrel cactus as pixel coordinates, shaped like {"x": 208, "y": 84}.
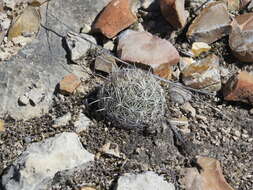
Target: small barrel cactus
{"x": 132, "y": 98}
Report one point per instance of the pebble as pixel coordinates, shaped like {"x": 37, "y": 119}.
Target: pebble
{"x": 63, "y": 120}
{"x": 105, "y": 63}
{"x": 148, "y": 50}
{"x": 69, "y": 84}
{"x": 199, "y": 47}
{"x": 115, "y": 17}
{"x": 174, "y": 12}
{"x": 239, "y": 88}
{"x": 209, "y": 178}
{"x": 82, "y": 123}
{"x": 187, "y": 107}
{"x": 78, "y": 46}
{"x": 211, "y": 24}
{"x": 203, "y": 74}
{"x": 240, "y": 38}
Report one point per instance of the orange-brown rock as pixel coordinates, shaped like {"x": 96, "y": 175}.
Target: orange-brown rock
{"x": 174, "y": 12}
{"x": 239, "y": 88}
{"x": 203, "y": 74}
{"x": 211, "y": 24}
{"x": 209, "y": 178}
{"x": 116, "y": 17}
{"x": 69, "y": 84}
{"x": 241, "y": 37}
{"x": 149, "y": 51}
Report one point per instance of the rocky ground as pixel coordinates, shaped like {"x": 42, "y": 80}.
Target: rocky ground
{"x": 48, "y": 88}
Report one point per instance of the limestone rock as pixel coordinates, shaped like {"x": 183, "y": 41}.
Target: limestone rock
{"x": 78, "y": 46}
{"x": 150, "y": 51}
{"x": 239, "y": 88}
{"x": 82, "y": 123}
{"x": 63, "y": 120}
{"x": 240, "y": 39}
{"x": 174, "y": 12}
{"x": 116, "y": 17}
{"x": 41, "y": 161}
{"x": 44, "y": 60}
{"x": 203, "y": 74}
{"x": 146, "y": 180}
{"x": 211, "y": 24}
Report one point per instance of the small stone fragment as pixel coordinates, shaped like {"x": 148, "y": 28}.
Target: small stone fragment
{"x": 115, "y": 17}
{"x": 2, "y": 123}
{"x": 33, "y": 96}
{"x": 37, "y": 166}
{"x": 203, "y": 74}
{"x": 27, "y": 23}
{"x": 209, "y": 178}
{"x": 68, "y": 84}
{"x": 105, "y": 63}
{"x": 187, "y": 107}
{"x": 179, "y": 95}
{"x": 199, "y": 47}
{"x": 147, "y": 180}
{"x": 185, "y": 62}
{"x": 148, "y": 50}
{"x": 88, "y": 188}
{"x": 111, "y": 149}
{"x": 63, "y": 120}
{"x": 239, "y": 88}
{"x": 174, "y": 12}
{"x": 78, "y": 46}
{"x": 240, "y": 38}
{"x": 82, "y": 123}
{"x": 211, "y": 24}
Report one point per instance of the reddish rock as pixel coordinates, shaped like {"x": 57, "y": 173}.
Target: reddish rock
{"x": 241, "y": 37}
{"x": 174, "y": 12}
{"x": 239, "y": 88}
{"x": 69, "y": 83}
{"x": 148, "y": 50}
{"x": 209, "y": 178}
{"x": 211, "y": 24}
{"x": 203, "y": 74}
{"x": 116, "y": 16}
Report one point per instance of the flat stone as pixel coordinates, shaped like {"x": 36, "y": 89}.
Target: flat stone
{"x": 239, "y": 88}
{"x": 174, "y": 12}
{"x": 179, "y": 95}
{"x": 116, "y": 17}
{"x": 63, "y": 120}
{"x": 69, "y": 84}
{"x": 240, "y": 38}
{"x": 148, "y": 50}
{"x": 44, "y": 60}
{"x": 203, "y": 74}
{"x": 78, "y": 46}
{"x": 82, "y": 123}
{"x": 37, "y": 166}
{"x": 211, "y": 24}
{"x": 105, "y": 63}
{"x": 147, "y": 180}
{"x": 209, "y": 178}
{"x": 199, "y": 47}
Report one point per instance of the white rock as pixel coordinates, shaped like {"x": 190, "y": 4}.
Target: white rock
{"x": 144, "y": 181}
{"x": 78, "y": 46}
{"x": 63, "y": 120}
{"x": 41, "y": 161}
{"x": 82, "y": 123}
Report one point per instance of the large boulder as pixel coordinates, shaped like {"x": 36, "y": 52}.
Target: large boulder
{"x": 43, "y": 63}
